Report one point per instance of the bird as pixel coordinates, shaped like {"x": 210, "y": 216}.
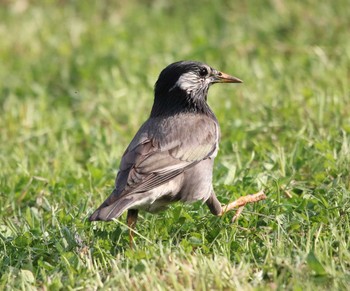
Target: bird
{"x": 171, "y": 157}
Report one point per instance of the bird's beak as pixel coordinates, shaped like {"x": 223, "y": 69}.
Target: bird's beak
{"x": 220, "y": 77}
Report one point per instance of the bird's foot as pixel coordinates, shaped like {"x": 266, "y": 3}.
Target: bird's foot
{"x": 241, "y": 202}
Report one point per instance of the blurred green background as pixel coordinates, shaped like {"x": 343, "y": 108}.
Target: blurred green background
{"x": 76, "y": 82}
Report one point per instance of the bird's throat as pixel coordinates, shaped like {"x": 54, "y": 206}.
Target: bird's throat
{"x": 179, "y": 101}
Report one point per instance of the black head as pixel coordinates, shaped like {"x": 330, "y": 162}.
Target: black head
{"x": 184, "y": 85}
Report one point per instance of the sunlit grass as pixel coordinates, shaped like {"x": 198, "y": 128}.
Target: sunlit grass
{"x": 76, "y": 84}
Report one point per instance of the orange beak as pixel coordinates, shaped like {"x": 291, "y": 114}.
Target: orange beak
{"x": 221, "y": 77}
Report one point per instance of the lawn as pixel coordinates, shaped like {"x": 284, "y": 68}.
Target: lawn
{"x": 76, "y": 83}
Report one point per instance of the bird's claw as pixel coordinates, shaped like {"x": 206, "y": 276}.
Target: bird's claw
{"x": 241, "y": 202}
{"x": 237, "y": 214}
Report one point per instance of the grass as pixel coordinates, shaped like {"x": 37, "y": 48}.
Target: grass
{"x": 76, "y": 84}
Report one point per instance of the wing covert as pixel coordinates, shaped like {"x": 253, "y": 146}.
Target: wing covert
{"x": 163, "y": 149}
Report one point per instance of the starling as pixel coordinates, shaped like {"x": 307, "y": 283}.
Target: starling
{"x": 171, "y": 157}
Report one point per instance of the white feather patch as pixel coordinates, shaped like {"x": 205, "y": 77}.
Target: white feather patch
{"x": 189, "y": 82}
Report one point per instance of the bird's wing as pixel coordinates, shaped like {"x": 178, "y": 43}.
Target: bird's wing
{"x": 164, "y": 150}
{"x": 161, "y": 150}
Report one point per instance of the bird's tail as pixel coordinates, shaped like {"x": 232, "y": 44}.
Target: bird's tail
{"x": 111, "y": 208}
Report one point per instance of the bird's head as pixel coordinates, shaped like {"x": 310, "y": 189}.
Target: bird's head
{"x": 184, "y": 85}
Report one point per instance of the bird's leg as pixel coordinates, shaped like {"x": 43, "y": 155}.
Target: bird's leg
{"x": 217, "y": 209}
{"x": 131, "y": 221}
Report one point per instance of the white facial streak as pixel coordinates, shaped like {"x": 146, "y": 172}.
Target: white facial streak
{"x": 189, "y": 82}
{"x": 192, "y": 83}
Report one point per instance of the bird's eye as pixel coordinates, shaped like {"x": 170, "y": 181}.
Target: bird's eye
{"x": 203, "y": 72}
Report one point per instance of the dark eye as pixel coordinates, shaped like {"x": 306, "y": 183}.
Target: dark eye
{"x": 203, "y": 72}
